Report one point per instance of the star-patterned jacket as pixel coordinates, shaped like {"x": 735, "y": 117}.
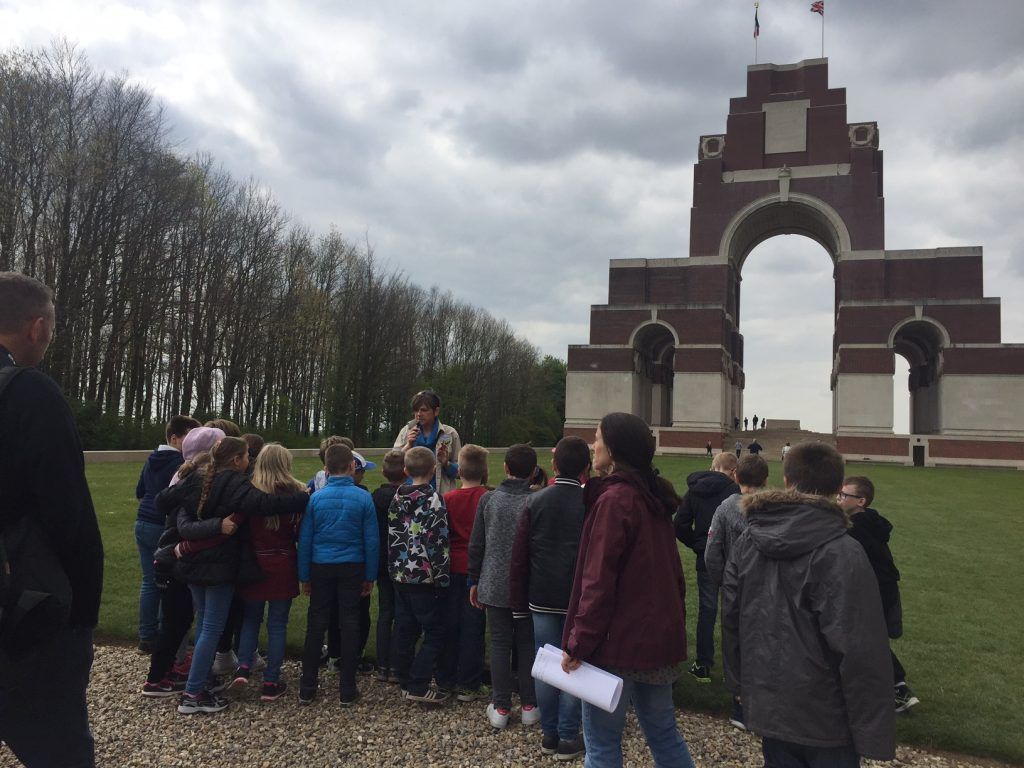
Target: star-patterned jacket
{"x": 418, "y": 537}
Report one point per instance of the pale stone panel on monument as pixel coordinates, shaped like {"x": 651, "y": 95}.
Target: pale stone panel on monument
{"x": 589, "y": 395}
{"x": 986, "y": 406}
{"x": 785, "y": 126}
{"x": 865, "y": 402}
{"x": 697, "y": 401}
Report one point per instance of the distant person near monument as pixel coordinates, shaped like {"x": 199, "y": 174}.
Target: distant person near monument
{"x": 754, "y": 447}
{"x": 873, "y": 531}
{"x": 746, "y": 423}
{"x": 755, "y": 421}
{"x": 49, "y": 530}
{"x": 738, "y": 448}
{"x": 706, "y": 490}
{"x": 708, "y": 447}
{"x": 785, "y": 450}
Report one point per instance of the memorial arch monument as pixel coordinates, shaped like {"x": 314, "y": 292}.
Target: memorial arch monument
{"x": 667, "y": 345}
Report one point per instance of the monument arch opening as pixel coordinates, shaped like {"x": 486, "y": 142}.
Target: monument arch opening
{"x": 787, "y": 319}
{"x": 789, "y": 162}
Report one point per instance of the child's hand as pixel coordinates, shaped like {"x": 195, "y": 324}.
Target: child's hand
{"x": 304, "y": 586}
{"x": 569, "y": 664}
{"x": 367, "y": 589}
{"x": 228, "y": 526}
{"x": 473, "y": 600}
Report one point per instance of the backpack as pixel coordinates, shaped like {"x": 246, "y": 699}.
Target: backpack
{"x": 35, "y": 593}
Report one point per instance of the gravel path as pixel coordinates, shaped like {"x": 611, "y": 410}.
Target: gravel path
{"x": 381, "y": 730}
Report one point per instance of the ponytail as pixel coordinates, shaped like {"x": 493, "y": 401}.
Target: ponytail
{"x": 221, "y": 456}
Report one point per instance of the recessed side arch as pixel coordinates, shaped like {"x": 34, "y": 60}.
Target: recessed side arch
{"x": 939, "y": 327}
{"x": 771, "y": 215}
{"x": 644, "y": 328}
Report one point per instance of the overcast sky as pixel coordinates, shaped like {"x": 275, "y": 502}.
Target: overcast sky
{"x": 508, "y": 150}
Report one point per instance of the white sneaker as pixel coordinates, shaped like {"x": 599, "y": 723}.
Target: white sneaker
{"x": 530, "y": 714}
{"x": 498, "y": 718}
{"x": 224, "y": 663}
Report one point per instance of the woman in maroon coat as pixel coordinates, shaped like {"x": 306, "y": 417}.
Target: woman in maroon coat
{"x": 627, "y": 611}
{"x": 273, "y": 542}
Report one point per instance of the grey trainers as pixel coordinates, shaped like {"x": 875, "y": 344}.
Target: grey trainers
{"x": 204, "y": 702}
{"x": 224, "y": 663}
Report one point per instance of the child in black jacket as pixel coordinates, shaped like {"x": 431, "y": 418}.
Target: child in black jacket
{"x": 872, "y": 531}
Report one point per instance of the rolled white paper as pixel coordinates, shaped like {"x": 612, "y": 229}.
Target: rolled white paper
{"x": 589, "y": 683}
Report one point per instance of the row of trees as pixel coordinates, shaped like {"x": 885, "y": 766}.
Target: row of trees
{"x": 183, "y": 290}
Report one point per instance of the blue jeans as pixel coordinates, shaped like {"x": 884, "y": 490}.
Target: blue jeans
{"x": 707, "y": 612}
{"x": 277, "y": 635}
{"x": 602, "y": 731}
{"x": 785, "y": 754}
{"x": 418, "y": 608}
{"x": 43, "y": 729}
{"x": 462, "y": 661}
{"x": 147, "y": 535}
{"x": 212, "y": 605}
{"x": 559, "y": 712}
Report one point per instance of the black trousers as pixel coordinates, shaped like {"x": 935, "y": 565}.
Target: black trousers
{"x": 176, "y": 616}
{"x": 46, "y": 723}
{"x": 338, "y": 585}
{"x": 785, "y": 754}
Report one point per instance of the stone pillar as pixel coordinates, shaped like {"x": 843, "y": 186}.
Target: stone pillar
{"x": 863, "y": 403}
{"x": 699, "y": 402}
{"x": 589, "y": 395}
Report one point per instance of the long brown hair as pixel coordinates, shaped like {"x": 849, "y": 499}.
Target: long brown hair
{"x": 273, "y": 474}
{"x": 221, "y": 456}
{"x": 631, "y": 444}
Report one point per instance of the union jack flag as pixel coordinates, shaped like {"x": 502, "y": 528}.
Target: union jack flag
{"x": 818, "y": 7}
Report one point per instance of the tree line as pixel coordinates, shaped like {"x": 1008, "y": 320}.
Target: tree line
{"x": 183, "y": 290}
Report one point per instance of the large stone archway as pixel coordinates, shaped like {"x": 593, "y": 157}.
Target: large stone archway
{"x": 790, "y": 163}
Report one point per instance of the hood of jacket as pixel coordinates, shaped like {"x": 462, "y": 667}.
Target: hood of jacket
{"x": 871, "y": 522}
{"x": 785, "y": 525}
{"x": 707, "y": 483}
{"x": 162, "y": 459}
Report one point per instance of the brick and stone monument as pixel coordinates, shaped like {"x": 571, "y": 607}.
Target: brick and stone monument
{"x": 667, "y": 345}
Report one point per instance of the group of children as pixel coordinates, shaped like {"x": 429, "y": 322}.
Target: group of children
{"x": 448, "y": 564}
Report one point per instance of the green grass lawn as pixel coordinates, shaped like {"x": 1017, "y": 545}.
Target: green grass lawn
{"x": 955, "y": 542}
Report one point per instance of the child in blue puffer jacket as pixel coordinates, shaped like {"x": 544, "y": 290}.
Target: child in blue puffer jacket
{"x": 339, "y": 549}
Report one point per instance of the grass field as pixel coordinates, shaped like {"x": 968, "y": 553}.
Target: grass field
{"x": 956, "y": 541}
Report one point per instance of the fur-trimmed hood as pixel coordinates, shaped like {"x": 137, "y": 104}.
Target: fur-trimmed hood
{"x": 788, "y": 524}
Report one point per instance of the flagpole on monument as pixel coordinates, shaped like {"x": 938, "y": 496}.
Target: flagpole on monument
{"x": 757, "y": 30}
{"x": 823, "y": 35}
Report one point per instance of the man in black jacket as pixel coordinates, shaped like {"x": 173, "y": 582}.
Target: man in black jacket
{"x": 803, "y": 635}
{"x": 706, "y": 491}
{"x": 44, "y": 721}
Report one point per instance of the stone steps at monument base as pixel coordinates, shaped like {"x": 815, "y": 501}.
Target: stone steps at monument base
{"x": 772, "y": 440}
